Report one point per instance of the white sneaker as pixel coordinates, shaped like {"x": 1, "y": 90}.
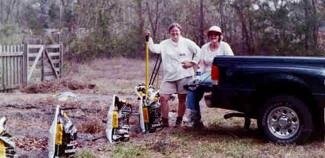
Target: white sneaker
{"x": 188, "y": 118}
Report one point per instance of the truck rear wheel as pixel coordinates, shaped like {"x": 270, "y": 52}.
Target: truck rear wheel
{"x": 285, "y": 120}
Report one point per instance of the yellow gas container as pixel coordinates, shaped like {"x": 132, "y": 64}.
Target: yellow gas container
{"x": 59, "y": 134}
{"x": 2, "y": 150}
{"x": 145, "y": 115}
{"x": 115, "y": 119}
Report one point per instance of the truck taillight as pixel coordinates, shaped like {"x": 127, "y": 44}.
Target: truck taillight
{"x": 215, "y": 74}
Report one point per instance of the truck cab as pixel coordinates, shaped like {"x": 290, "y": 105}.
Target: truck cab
{"x": 285, "y": 94}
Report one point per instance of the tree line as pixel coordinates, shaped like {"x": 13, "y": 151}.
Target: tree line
{"x": 115, "y": 27}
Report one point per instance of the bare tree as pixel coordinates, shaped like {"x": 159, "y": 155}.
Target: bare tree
{"x": 241, "y": 8}
{"x": 201, "y": 24}
{"x": 250, "y": 26}
{"x": 154, "y": 13}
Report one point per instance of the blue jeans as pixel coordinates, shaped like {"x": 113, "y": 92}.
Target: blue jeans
{"x": 193, "y": 97}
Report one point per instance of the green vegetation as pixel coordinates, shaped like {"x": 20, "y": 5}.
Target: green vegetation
{"x": 129, "y": 151}
{"x": 107, "y": 28}
{"x": 85, "y": 154}
{"x": 10, "y": 33}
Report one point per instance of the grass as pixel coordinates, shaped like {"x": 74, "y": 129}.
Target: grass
{"x": 91, "y": 126}
{"x": 117, "y": 76}
{"x": 198, "y": 144}
{"x": 129, "y": 151}
{"x": 221, "y": 138}
{"x": 207, "y": 150}
{"x": 85, "y": 154}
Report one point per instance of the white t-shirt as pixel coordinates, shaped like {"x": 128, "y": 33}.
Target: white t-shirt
{"x": 173, "y": 54}
{"x": 207, "y": 56}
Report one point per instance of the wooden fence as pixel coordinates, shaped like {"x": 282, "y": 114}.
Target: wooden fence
{"x": 23, "y": 64}
{"x": 48, "y": 58}
{"x": 12, "y": 67}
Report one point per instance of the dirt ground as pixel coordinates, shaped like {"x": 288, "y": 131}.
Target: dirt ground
{"x": 30, "y": 112}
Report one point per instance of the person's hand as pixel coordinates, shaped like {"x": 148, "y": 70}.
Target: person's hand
{"x": 147, "y": 34}
{"x": 187, "y": 64}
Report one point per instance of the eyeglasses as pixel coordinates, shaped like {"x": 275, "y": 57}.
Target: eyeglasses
{"x": 174, "y": 30}
{"x": 214, "y": 34}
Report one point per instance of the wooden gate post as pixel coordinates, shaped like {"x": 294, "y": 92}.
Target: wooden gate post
{"x": 3, "y": 72}
{"x": 25, "y": 64}
{"x": 61, "y": 58}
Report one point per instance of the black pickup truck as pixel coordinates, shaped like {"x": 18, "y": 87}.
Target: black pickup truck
{"x": 285, "y": 94}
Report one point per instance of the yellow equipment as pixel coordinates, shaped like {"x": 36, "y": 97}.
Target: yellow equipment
{"x": 7, "y": 146}
{"x": 63, "y": 136}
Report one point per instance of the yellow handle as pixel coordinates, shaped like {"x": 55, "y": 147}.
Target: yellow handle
{"x": 59, "y": 134}
{"x": 147, "y": 68}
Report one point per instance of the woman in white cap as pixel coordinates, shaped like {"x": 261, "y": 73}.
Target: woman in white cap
{"x": 179, "y": 55}
{"x": 215, "y": 47}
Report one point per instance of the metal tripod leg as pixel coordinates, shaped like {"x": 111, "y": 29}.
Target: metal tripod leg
{"x": 155, "y": 70}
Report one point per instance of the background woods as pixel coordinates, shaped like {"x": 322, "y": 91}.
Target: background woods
{"x": 115, "y": 27}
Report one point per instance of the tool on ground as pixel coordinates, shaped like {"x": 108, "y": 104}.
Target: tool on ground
{"x": 149, "y": 107}
{"x": 63, "y": 135}
{"x": 118, "y": 126}
{"x": 7, "y": 145}
{"x": 148, "y": 96}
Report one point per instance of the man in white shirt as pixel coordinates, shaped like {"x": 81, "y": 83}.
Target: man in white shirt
{"x": 178, "y": 55}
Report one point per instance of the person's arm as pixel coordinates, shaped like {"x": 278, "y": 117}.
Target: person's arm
{"x": 195, "y": 50}
{"x": 228, "y": 50}
{"x": 201, "y": 65}
{"x": 155, "y": 48}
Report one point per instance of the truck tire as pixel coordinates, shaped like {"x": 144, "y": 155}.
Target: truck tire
{"x": 285, "y": 119}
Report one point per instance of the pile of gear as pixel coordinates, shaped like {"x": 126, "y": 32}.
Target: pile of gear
{"x": 149, "y": 108}
{"x": 63, "y": 136}
{"x": 118, "y": 125}
{"x": 7, "y": 146}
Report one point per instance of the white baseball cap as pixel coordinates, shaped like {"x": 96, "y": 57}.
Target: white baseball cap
{"x": 215, "y": 29}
